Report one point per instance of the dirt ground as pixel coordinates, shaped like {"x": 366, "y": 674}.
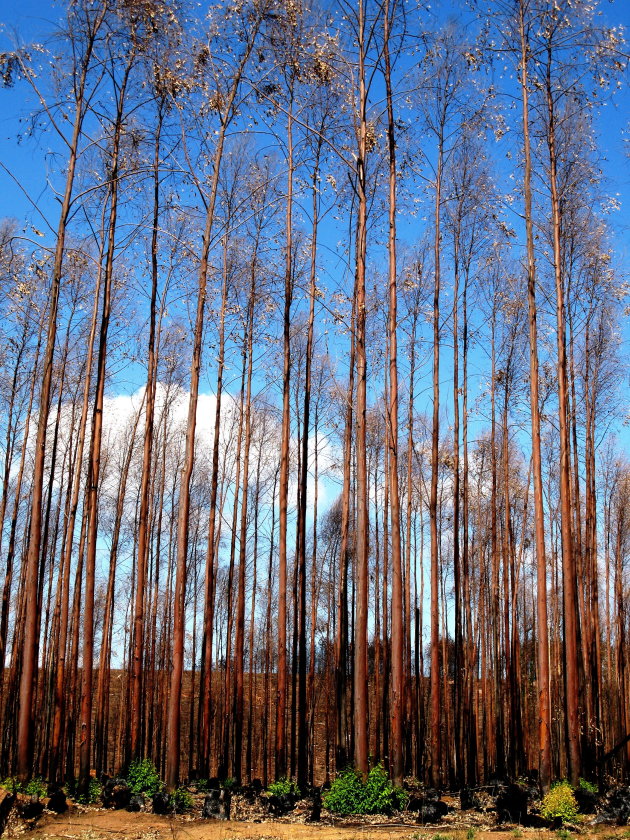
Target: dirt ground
{"x": 120, "y": 825}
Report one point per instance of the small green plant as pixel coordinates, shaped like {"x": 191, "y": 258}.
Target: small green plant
{"x": 142, "y": 777}
{"x": 517, "y": 833}
{"x": 560, "y": 803}
{"x": 283, "y": 787}
{"x": 10, "y": 783}
{"x": 589, "y": 787}
{"x": 181, "y": 800}
{"x": 202, "y": 785}
{"x": 349, "y": 794}
{"x": 346, "y": 794}
{"x": 35, "y": 787}
{"x": 95, "y": 790}
{"x": 439, "y": 837}
{"x": 229, "y": 783}
{"x": 470, "y": 834}
{"x": 563, "y": 834}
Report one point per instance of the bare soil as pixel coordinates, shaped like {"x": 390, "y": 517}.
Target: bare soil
{"x": 100, "y": 824}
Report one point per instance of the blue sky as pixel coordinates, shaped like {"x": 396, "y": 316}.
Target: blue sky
{"x": 24, "y": 170}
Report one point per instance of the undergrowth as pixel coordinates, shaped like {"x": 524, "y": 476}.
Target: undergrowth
{"x": 283, "y": 787}
{"x": 590, "y": 787}
{"x": 142, "y": 777}
{"x": 34, "y": 787}
{"x": 181, "y": 800}
{"x": 349, "y": 794}
{"x": 560, "y": 803}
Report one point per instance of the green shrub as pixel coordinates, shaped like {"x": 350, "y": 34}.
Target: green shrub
{"x": 346, "y": 794}
{"x": 10, "y": 783}
{"x": 94, "y": 792}
{"x": 202, "y": 785}
{"x": 93, "y": 795}
{"x": 560, "y": 803}
{"x": 349, "y": 794}
{"x": 181, "y": 800}
{"x": 589, "y": 787}
{"x": 229, "y": 783}
{"x": 142, "y": 777}
{"x": 470, "y": 834}
{"x": 34, "y": 787}
{"x": 283, "y": 787}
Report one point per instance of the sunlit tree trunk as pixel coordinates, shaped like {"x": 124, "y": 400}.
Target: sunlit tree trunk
{"x": 435, "y": 710}
{"x": 360, "y": 706}
{"x": 398, "y": 676}
{"x": 174, "y": 699}
{"x": 569, "y": 582}
{"x": 94, "y": 467}
{"x": 303, "y": 727}
{"x": 135, "y": 731}
{"x": 283, "y": 489}
{"x": 28, "y": 677}
{"x": 543, "y": 678}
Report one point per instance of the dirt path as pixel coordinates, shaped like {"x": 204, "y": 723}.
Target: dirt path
{"x": 121, "y": 825}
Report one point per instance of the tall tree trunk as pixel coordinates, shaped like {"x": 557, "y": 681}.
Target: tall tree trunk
{"x": 398, "y": 675}
{"x": 174, "y": 698}
{"x": 341, "y": 638}
{"x": 569, "y": 582}
{"x": 460, "y": 677}
{"x": 283, "y": 490}
{"x": 362, "y": 519}
{"x": 303, "y": 727}
{"x": 28, "y": 677}
{"x": 56, "y": 764}
{"x": 543, "y": 677}
{"x": 227, "y": 726}
{"x": 135, "y": 730}
{"x": 94, "y": 468}
{"x": 10, "y": 555}
{"x": 240, "y": 607}
{"x": 436, "y": 773}
{"x": 210, "y": 576}
{"x": 101, "y": 723}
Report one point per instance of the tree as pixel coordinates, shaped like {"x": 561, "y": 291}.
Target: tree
{"x": 227, "y": 107}
{"x": 85, "y": 25}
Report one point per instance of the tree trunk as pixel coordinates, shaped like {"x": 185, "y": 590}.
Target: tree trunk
{"x": 174, "y": 698}
{"x": 94, "y": 468}
{"x": 398, "y": 675}
{"x": 543, "y": 677}
{"x": 135, "y": 733}
{"x": 569, "y": 583}
{"x": 436, "y": 773}
{"x": 28, "y": 677}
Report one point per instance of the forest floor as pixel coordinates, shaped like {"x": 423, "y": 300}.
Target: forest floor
{"x": 99, "y": 824}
